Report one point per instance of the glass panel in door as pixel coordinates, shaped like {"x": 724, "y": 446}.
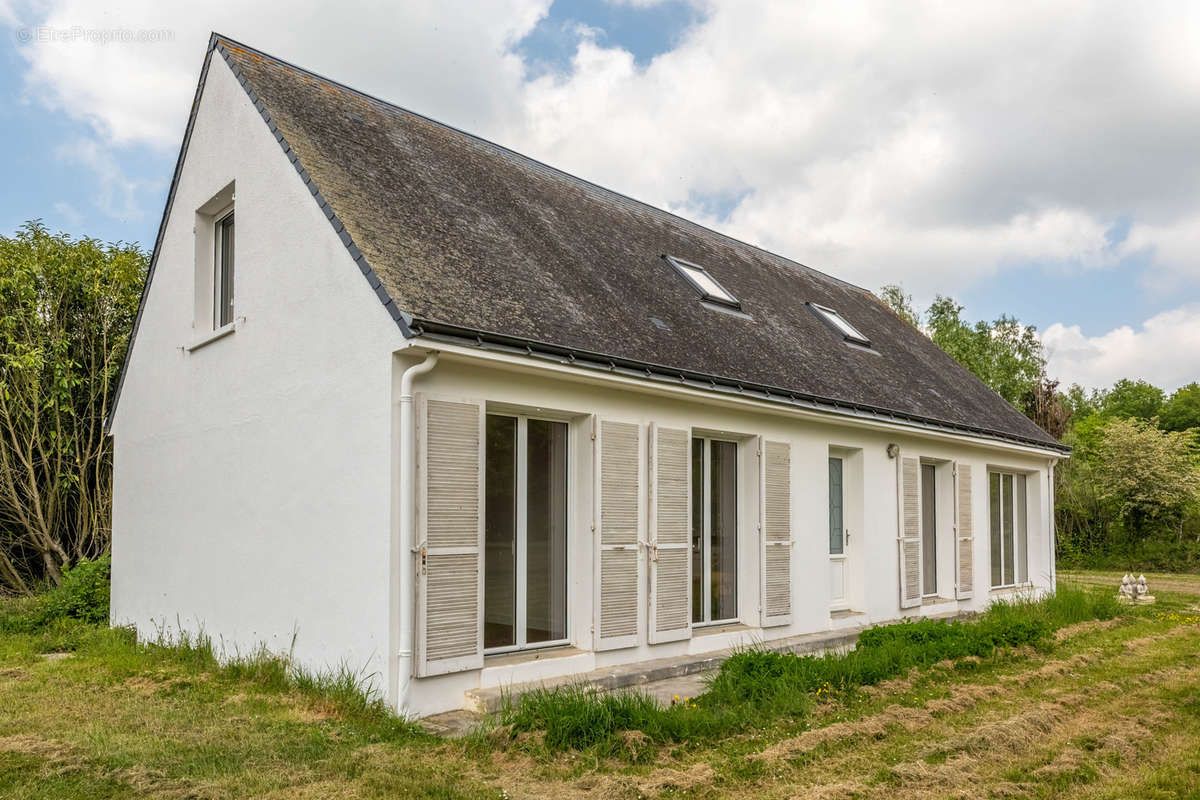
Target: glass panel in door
{"x": 546, "y": 532}
{"x": 500, "y": 533}
{"x": 928, "y": 529}
{"x": 723, "y": 514}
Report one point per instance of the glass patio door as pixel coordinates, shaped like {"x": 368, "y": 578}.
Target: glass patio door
{"x": 525, "y": 533}
{"x": 714, "y": 531}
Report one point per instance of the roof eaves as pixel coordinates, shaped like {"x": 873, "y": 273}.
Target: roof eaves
{"x": 437, "y": 331}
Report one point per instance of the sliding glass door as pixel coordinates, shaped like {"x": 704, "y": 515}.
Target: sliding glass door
{"x": 525, "y": 533}
{"x": 714, "y": 530}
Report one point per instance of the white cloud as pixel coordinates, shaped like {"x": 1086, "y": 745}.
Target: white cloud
{"x": 1164, "y": 350}
{"x": 448, "y": 59}
{"x": 922, "y": 143}
{"x": 116, "y": 195}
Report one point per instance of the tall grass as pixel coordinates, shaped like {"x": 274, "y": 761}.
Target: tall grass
{"x": 757, "y": 686}
{"x": 63, "y": 620}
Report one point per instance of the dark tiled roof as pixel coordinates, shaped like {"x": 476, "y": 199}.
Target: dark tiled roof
{"x": 467, "y": 237}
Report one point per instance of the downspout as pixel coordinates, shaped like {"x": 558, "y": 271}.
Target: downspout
{"x": 407, "y": 575}
{"x": 1053, "y": 528}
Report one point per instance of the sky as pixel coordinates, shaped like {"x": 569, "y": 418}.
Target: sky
{"x": 1031, "y": 159}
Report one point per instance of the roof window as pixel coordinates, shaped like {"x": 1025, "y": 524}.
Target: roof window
{"x": 839, "y": 324}
{"x": 703, "y": 283}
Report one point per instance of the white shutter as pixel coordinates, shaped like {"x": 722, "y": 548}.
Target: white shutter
{"x": 618, "y": 521}
{"x": 775, "y": 459}
{"x": 670, "y": 535}
{"x": 910, "y": 533}
{"x": 449, "y": 607}
{"x": 964, "y": 533}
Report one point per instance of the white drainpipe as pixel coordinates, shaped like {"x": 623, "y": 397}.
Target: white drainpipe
{"x": 408, "y": 455}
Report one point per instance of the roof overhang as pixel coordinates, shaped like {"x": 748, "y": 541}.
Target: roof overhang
{"x": 531, "y": 353}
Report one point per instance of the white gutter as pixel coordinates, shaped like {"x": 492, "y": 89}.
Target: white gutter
{"x": 408, "y": 524}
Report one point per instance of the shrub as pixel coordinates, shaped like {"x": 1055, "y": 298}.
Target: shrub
{"x": 82, "y": 595}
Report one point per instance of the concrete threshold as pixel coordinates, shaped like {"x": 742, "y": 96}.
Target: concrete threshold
{"x": 642, "y": 673}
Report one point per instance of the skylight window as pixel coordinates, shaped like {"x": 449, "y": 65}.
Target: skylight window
{"x": 839, "y": 324}
{"x": 703, "y": 283}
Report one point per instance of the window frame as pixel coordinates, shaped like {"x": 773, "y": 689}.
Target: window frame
{"x": 839, "y": 324}
{"x": 521, "y": 533}
{"x": 222, "y": 279}
{"x": 726, "y": 298}
{"x": 1020, "y": 529}
{"x": 706, "y": 530}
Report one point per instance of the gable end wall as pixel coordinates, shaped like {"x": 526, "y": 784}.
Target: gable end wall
{"x": 252, "y": 475}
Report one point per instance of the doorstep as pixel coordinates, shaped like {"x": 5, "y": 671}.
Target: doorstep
{"x": 641, "y": 673}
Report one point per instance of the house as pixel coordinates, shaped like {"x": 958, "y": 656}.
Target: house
{"x": 401, "y": 399}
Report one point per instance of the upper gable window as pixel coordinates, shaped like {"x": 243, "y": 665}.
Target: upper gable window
{"x": 703, "y": 283}
{"x": 214, "y": 277}
{"x": 223, "y": 271}
{"x": 839, "y": 324}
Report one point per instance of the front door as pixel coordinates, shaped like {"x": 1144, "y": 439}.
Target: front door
{"x": 838, "y": 544}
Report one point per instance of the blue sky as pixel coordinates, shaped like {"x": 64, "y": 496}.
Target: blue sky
{"x": 721, "y": 112}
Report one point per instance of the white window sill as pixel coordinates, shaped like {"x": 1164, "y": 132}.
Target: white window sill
{"x": 997, "y": 591}
{"x": 219, "y": 333}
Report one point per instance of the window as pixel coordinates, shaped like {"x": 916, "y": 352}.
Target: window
{"x": 714, "y": 530}
{"x": 223, "y": 272}
{"x": 703, "y": 283}
{"x": 1006, "y": 501}
{"x": 839, "y": 324}
{"x": 525, "y": 533}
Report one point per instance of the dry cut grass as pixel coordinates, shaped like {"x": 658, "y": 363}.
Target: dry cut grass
{"x": 1111, "y": 711}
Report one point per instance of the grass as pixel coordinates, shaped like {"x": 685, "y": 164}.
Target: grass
{"x": 1090, "y": 707}
{"x": 757, "y": 686}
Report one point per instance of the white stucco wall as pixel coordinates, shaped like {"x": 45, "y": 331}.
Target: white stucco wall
{"x": 252, "y": 475}
{"x": 871, "y": 509}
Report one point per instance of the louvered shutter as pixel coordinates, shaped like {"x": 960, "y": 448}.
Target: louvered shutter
{"x": 618, "y": 521}
{"x": 910, "y": 533}
{"x": 670, "y": 535}
{"x": 776, "y": 469}
{"x": 964, "y": 533}
{"x": 449, "y": 607}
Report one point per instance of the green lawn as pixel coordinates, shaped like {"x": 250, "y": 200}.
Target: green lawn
{"x": 1110, "y": 710}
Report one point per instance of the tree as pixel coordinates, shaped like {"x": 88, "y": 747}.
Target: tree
{"x": 1046, "y": 406}
{"x": 1182, "y": 410}
{"x": 1082, "y": 402}
{"x": 1149, "y": 476}
{"x": 893, "y": 297}
{"x": 1005, "y": 355}
{"x": 66, "y": 312}
{"x": 1131, "y": 399}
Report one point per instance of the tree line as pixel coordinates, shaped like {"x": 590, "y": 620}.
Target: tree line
{"x": 1129, "y": 495}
